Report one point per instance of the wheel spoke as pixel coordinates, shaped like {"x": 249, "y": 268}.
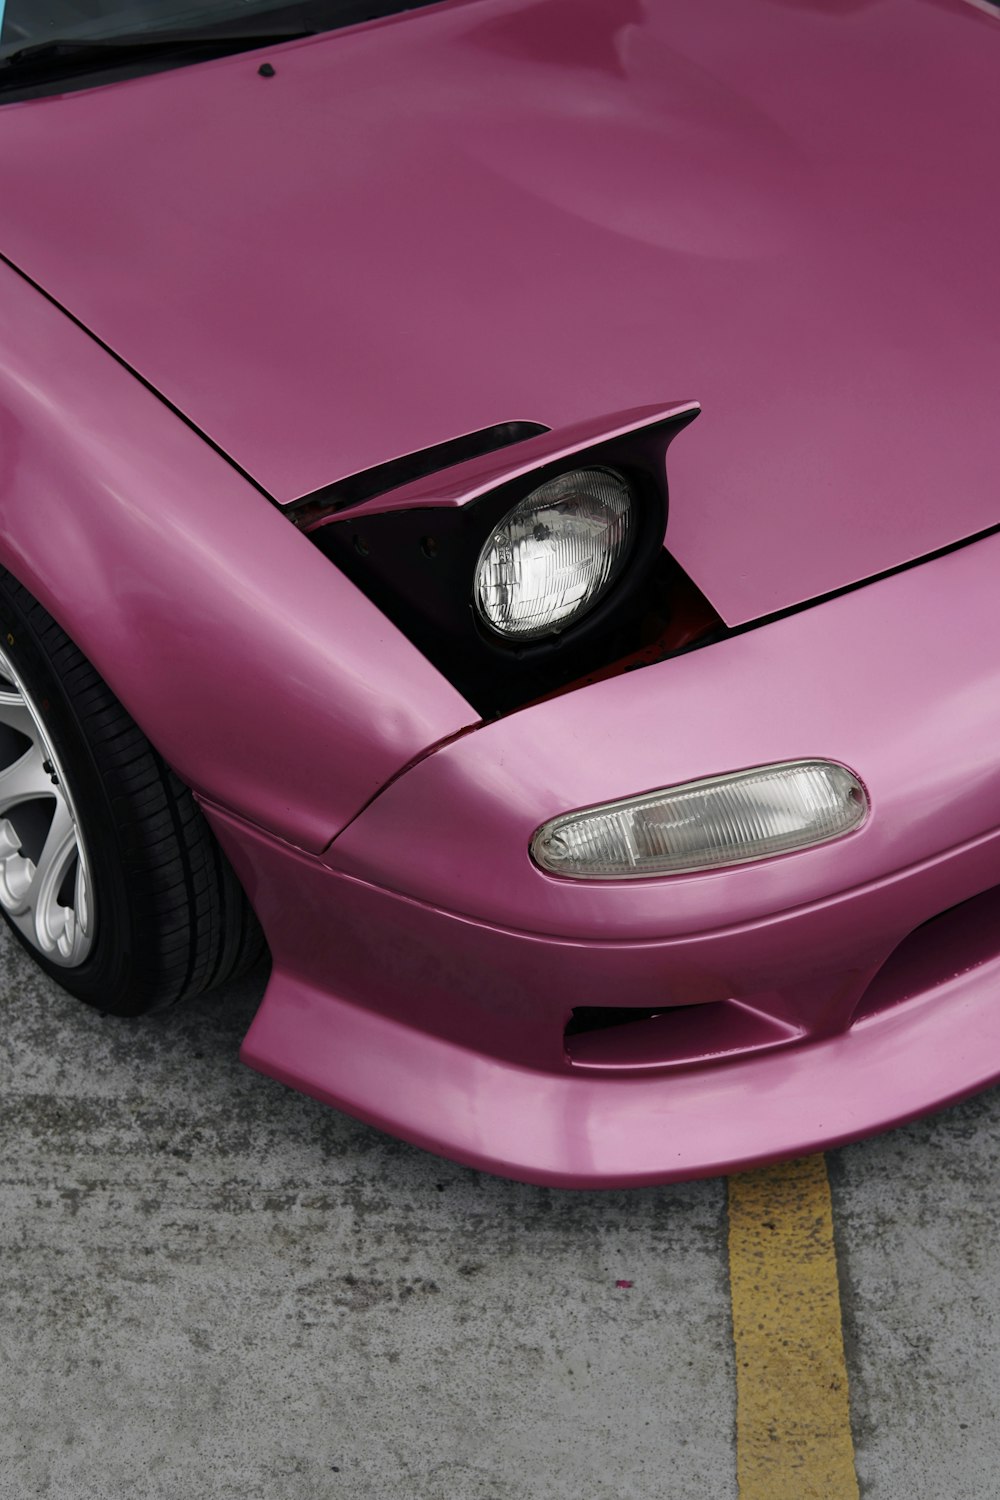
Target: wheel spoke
{"x": 25, "y": 778}
{"x": 81, "y": 896}
{"x": 60, "y": 837}
{"x": 14, "y": 712}
{"x": 16, "y": 873}
{"x": 32, "y": 889}
{"x": 42, "y": 895}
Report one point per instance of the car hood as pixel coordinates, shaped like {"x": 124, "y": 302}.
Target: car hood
{"x": 542, "y": 210}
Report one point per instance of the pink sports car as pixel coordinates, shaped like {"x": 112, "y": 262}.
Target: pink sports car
{"x": 500, "y": 506}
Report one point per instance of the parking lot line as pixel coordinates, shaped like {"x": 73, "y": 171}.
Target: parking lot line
{"x": 793, "y": 1430}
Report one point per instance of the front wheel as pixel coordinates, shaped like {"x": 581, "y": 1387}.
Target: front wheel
{"x": 109, "y": 874}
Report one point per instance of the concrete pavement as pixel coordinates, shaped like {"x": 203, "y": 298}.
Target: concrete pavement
{"x": 211, "y": 1287}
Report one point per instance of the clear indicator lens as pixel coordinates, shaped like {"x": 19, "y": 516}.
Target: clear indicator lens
{"x": 704, "y": 825}
{"x": 555, "y": 555}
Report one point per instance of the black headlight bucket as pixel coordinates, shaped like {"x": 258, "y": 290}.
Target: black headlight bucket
{"x": 414, "y": 551}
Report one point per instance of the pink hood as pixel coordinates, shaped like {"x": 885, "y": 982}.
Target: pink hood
{"x": 547, "y": 209}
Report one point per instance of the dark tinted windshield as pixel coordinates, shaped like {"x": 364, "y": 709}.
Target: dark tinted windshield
{"x": 25, "y": 23}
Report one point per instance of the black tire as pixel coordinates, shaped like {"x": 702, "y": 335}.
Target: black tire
{"x": 170, "y": 918}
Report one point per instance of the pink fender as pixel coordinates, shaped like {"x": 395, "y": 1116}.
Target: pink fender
{"x": 266, "y": 680}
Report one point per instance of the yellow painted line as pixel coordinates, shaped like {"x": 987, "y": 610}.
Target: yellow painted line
{"x": 793, "y": 1429}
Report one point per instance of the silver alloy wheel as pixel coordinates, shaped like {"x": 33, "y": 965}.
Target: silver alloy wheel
{"x": 45, "y": 885}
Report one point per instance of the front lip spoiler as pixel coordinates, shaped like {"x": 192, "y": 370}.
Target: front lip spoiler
{"x": 595, "y": 1132}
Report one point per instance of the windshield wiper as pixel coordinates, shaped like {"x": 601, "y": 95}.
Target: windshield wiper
{"x": 58, "y": 57}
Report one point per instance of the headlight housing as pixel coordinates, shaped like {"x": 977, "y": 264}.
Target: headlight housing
{"x": 521, "y": 573}
{"x": 555, "y": 555}
{"x": 705, "y": 825}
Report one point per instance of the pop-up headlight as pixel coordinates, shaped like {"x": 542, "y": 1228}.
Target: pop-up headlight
{"x": 555, "y": 555}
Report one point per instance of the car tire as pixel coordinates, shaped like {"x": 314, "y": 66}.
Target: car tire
{"x": 109, "y": 875}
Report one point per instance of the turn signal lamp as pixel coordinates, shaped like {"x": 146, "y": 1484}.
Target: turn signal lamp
{"x": 705, "y": 825}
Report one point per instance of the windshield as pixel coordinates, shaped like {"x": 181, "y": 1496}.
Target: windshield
{"x": 28, "y": 26}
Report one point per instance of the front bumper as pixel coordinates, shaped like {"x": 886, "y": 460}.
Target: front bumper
{"x": 425, "y": 971}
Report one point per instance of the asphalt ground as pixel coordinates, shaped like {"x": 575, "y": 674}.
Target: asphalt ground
{"x": 211, "y": 1287}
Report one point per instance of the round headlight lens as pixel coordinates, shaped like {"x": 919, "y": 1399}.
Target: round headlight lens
{"x": 555, "y": 554}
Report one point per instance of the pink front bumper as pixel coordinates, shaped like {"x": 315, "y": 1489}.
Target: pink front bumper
{"x": 425, "y": 970}
{"x": 580, "y": 1128}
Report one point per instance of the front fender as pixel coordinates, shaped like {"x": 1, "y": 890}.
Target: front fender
{"x": 269, "y": 683}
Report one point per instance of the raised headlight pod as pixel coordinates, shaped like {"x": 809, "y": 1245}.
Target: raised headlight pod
{"x": 555, "y": 555}
{"x": 702, "y": 825}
